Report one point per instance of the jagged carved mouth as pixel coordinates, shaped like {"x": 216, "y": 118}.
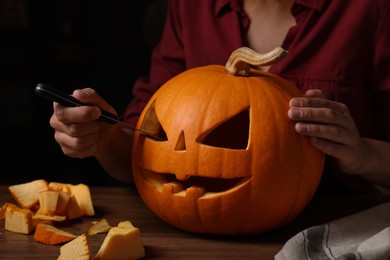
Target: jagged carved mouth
{"x": 195, "y": 185}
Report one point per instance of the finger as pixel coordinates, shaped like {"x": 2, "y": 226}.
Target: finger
{"x": 318, "y": 103}
{"x": 76, "y": 143}
{"x": 81, "y": 154}
{"x": 75, "y": 129}
{"x": 320, "y": 115}
{"x": 77, "y": 146}
{"x": 335, "y": 150}
{"x": 332, "y": 133}
{"x": 82, "y": 130}
{"x": 76, "y": 114}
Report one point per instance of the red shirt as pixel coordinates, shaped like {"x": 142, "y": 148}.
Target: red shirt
{"x": 341, "y": 47}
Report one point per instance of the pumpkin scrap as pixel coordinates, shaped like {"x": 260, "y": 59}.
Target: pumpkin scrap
{"x": 27, "y": 194}
{"x": 48, "y": 217}
{"x": 83, "y": 197}
{"x": 77, "y": 248}
{"x": 101, "y": 226}
{"x": 53, "y": 202}
{"x": 50, "y": 235}
{"x": 42, "y": 202}
{"x": 122, "y": 242}
{"x": 18, "y": 220}
{"x": 3, "y": 210}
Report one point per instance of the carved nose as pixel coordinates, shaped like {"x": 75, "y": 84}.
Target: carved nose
{"x": 181, "y": 142}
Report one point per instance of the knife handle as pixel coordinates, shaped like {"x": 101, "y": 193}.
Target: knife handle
{"x": 65, "y": 99}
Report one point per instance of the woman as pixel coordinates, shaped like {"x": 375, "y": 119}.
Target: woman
{"x": 339, "y": 56}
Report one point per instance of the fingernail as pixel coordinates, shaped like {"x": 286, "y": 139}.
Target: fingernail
{"x": 84, "y": 92}
{"x": 89, "y": 91}
{"x": 295, "y": 113}
{"x": 302, "y": 128}
{"x": 296, "y": 102}
{"x": 96, "y": 112}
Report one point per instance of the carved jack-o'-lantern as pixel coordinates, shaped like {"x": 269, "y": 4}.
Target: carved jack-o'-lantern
{"x": 229, "y": 160}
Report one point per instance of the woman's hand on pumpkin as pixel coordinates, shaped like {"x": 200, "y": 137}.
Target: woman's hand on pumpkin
{"x": 77, "y": 129}
{"x": 330, "y": 128}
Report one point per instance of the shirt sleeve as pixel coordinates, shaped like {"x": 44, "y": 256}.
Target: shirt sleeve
{"x": 167, "y": 61}
{"x": 382, "y": 51}
{"x": 381, "y": 75}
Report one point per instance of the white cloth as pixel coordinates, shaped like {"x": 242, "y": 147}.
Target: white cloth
{"x": 361, "y": 236}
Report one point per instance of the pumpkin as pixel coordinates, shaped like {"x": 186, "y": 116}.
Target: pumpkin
{"x": 228, "y": 160}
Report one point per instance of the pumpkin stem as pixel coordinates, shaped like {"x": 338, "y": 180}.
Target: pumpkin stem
{"x": 241, "y": 59}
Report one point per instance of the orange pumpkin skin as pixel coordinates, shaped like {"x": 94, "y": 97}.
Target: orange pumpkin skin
{"x": 254, "y": 175}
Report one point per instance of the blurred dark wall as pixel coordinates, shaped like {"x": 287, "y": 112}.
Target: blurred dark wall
{"x": 68, "y": 44}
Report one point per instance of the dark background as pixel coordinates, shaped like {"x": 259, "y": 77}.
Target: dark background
{"x": 103, "y": 44}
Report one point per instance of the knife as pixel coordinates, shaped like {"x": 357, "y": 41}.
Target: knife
{"x": 62, "y": 98}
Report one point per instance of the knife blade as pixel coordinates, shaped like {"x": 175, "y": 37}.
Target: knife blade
{"x": 65, "y": 99}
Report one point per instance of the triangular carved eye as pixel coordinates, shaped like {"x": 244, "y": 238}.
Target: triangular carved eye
{"x": 181, "y": 142}
{"x": 233, "y": 133}
{"x": 152, "y": 125}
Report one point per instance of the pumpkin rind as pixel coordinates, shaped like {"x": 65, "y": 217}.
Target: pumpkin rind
{"x": 277, "y": 172}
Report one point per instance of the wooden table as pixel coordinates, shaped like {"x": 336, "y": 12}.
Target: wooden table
{"x": 166, "y": 242}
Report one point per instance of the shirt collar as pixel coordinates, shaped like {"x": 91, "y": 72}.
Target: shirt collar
{"x": 220, "y": 5}
{"x": 313, "y": 4}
